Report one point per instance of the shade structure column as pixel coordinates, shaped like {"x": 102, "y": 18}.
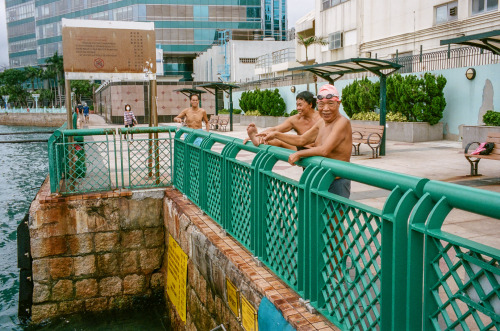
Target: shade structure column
{"x": 383, "y": 103}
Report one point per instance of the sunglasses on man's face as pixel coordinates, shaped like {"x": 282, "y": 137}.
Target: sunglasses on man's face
{"x": 328, "y": 96}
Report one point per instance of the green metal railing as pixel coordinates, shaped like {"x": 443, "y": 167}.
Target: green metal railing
{"x": 361, "y": 267}
{"x": 94, "y": 160}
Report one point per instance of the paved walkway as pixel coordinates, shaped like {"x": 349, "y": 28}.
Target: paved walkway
{"x": 437, "y": 160}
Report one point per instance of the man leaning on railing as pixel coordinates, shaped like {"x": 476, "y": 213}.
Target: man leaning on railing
{"x": 330, "y": 138}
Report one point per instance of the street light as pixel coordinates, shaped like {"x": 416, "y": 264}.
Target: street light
{"x": 36, "y": 96}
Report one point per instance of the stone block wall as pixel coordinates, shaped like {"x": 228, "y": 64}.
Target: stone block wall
{"x": 95, "y": 252}
{"x": 33, "y": 119}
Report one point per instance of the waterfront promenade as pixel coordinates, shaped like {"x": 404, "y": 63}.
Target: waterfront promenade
{"x": 436, "y": 160}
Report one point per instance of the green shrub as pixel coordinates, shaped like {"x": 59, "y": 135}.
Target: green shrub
{"x": 226, "y": 111}
{"x": 267, "y": 102}
{"x": 360, "y": 96}
{"x": 252, "y": 113}
{"x": 366, "y": 116}
{"x": 395, "y": 117}
{"x": 492, "y": 118}
{"x": 294, "y": 112}
{"x": 418, "y": 99}
{"x": 372, "y": 116}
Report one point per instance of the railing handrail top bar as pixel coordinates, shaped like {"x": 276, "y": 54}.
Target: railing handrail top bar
{"x": 148, "y": 129}
{"x": 88, "y": 132}
{"x": 373, "y": 176}
{"x": 463, "y": 197}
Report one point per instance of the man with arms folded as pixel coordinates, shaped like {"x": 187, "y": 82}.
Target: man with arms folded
{"x": 301, "y": 122}
{"x": 330, "y": 138}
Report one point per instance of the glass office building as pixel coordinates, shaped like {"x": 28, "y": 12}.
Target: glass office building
{"x": 183, "y": 27}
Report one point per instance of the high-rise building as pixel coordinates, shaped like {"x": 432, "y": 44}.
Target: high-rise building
{"x": 183, "y": 27}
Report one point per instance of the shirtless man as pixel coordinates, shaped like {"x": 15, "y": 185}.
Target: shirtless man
{"x": 194, "y": 115}
{"x": 301, "y": 122}
{"x": 331, "y": 137}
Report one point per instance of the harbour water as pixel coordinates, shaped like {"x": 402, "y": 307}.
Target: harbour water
{"x": 23, "y": 168}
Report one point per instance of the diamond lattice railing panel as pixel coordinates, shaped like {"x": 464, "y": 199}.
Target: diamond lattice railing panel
{"x": 86, "y": 167}
{"x": 179, "y": 168}
{"x": 149, "y": 163}
{"x": 281, "y": 229}
{"x": 467, "y": 291}
{"x": 194, "y": 174}
{"x": 214, "y": 174}
{"x": 351, "y": 271}
{"x": 241, "y": 202}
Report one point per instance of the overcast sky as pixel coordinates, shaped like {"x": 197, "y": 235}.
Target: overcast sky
{"x": 296, "y": 9}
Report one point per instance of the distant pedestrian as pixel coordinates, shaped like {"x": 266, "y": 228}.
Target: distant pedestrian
{"x": 79, "y": 111}
{"x": 129, "y": 119}
{"x": 86, "y": 111}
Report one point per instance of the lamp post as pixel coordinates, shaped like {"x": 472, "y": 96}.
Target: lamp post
{"x": 36, "y": 96}
{"x": 6, "y": 99}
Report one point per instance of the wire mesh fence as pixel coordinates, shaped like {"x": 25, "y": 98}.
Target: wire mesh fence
{"x": 84, "y": 161}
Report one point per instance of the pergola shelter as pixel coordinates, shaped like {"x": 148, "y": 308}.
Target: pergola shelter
{"x": 487, "y": 40}
{"x": 228, "y": 88}
{"x": 337, "y": 69}
{"x": 190, "y": 91}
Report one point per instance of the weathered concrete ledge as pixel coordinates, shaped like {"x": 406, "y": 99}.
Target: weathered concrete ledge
{"x": 409, "y": 131}
{"x": 32, "y": 119}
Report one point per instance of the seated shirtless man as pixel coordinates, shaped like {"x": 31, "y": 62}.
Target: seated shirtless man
{"x": 330, "y": 138}
{"x": 194, "y": 115}
{"x": 301, "y": 122}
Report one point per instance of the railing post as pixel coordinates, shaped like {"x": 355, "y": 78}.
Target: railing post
{"x": 416, "y": 240}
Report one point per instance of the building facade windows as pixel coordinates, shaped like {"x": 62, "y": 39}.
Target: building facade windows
{"x": 248, "y": 60}
{"x": 447, "y": 12}
{"x": 335, "y": 40}
{"x": 482, "y": 6}
{"x": 331, "y": 3}
{"x": 182, "y": 29}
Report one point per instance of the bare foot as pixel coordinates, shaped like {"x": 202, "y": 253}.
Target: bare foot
{"x": 252, "y": 132}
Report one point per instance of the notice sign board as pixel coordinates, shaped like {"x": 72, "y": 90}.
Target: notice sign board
{"x": 248, "y": 315}
{"x": 233, "y": 298}
{"x": 177, "y": 277}
{"x": 97, "y": 48}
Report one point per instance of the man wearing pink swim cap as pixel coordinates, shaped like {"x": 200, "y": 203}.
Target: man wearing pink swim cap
{"x": 330, "y": 138}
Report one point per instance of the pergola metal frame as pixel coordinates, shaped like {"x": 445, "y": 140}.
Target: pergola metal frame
{"x": 486, "y": 40}
{"x": 190, "y": 91}
{"x": 381, "y": 68}
{"x": 228, "y": 88}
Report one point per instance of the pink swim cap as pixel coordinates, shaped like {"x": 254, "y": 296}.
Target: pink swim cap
{"x": 329, "y": 92}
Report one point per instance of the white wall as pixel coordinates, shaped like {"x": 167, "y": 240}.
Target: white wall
{"x": 206, "y": 64}
{"x": 384, "y": 26}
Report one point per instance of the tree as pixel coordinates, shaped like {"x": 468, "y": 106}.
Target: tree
{"x": 55, "y": 64}
{"x": 309, "y": 41}
{"x": 12, "y": 81}
{"x": 33, "y": 74}
{"x": 83, "y": 89}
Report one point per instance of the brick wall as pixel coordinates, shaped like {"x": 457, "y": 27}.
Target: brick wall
{"x": 94, "y": 252}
